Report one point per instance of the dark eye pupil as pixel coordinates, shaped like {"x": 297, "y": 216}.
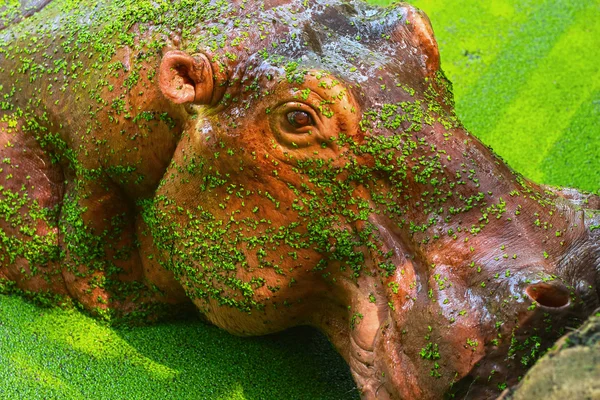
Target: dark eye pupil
{"x": 299, "y": 118}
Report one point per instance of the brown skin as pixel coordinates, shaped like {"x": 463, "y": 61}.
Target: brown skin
{"x": 453, "y": 312}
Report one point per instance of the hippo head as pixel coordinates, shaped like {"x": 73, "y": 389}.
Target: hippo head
{"x": 322, "y": 178}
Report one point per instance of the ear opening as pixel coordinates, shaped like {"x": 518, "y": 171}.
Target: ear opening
{"x": 184, "y": 79}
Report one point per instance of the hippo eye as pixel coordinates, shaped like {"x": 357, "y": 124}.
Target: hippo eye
{"x": 299, "y": 119}
{"x": 296, "y": 125}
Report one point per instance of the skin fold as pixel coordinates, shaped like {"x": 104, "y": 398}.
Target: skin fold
{"x": 281, "y": 163}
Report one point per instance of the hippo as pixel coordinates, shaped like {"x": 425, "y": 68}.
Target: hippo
{"x": 279, "y": 163}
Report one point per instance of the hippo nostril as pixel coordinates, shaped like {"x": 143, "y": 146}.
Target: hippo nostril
{"x": 548, "y": 295}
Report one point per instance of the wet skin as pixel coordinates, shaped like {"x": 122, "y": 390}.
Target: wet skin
{"x": 279, "y": 164}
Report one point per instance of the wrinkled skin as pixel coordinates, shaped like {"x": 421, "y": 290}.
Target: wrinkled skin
{"x": 279, "y": 164}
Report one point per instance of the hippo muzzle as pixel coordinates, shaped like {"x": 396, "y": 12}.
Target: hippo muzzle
{"x": 444, "y": 333}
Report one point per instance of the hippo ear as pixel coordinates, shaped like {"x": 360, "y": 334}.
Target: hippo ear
{"x": 186, "y": 79}
{"x": 422, "y": 37}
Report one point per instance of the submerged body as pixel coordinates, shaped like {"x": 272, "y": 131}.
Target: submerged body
{"x": 276, "y": 164}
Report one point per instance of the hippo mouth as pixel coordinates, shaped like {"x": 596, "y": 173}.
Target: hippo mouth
{"x": 503, "y": 368}
{"x": 504, "y": 365}
{"x": 510, "y": 340}
{"x": 500, "y": 366}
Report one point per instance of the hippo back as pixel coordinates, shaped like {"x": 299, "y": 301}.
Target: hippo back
{"x": 16, "y": 11}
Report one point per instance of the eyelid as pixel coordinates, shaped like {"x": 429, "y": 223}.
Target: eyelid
{"x": 288, "y": 134}
{"x": 291, "y": 106}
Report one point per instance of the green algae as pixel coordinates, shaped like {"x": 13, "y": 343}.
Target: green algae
{"x": 62, "y": 354}
{"x": 479, "y": 108}
{"x": 526, "y": 82}
{"x": 576, "y": 150}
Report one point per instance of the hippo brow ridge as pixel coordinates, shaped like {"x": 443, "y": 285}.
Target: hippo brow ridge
{"x": 274, "y": 164}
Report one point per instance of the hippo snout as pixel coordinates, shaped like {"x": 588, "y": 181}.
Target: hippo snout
{"x": 473, "y": 325}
